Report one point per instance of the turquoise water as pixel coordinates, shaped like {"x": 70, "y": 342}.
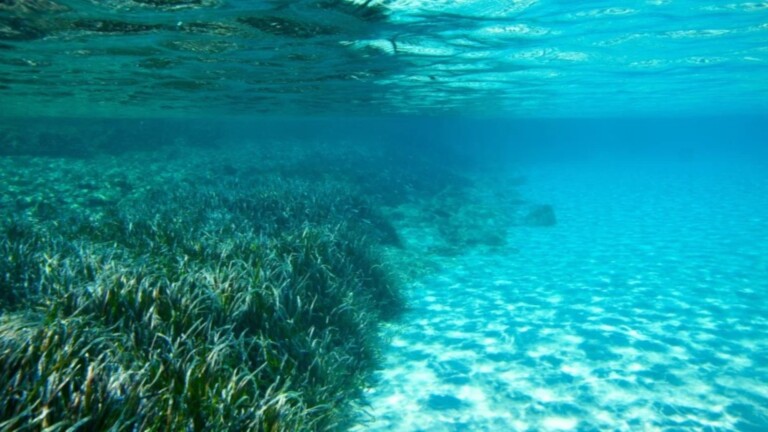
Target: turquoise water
{"x": 572, "y": 197}
{"x": 643, "y": 309}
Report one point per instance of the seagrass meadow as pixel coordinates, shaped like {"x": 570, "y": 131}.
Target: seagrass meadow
{"x": 197, "y": 301}
{"x": 200, "y": 286}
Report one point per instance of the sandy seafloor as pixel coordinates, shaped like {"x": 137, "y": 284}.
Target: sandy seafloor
{"x": 645, "y": 308}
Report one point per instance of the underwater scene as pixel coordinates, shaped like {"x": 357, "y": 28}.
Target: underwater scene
{"x": 383, "y": 215}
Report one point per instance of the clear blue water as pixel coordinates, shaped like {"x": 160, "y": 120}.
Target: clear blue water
{"x": 644, "y": 123}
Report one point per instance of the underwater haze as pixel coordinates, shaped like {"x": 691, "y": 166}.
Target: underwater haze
{"x": 383, "y": 215}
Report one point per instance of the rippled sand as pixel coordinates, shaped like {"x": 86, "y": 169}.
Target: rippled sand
{"x": 643, "y": 309}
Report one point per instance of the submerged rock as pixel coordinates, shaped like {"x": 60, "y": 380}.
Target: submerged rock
{"x": 540, "y": 215}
